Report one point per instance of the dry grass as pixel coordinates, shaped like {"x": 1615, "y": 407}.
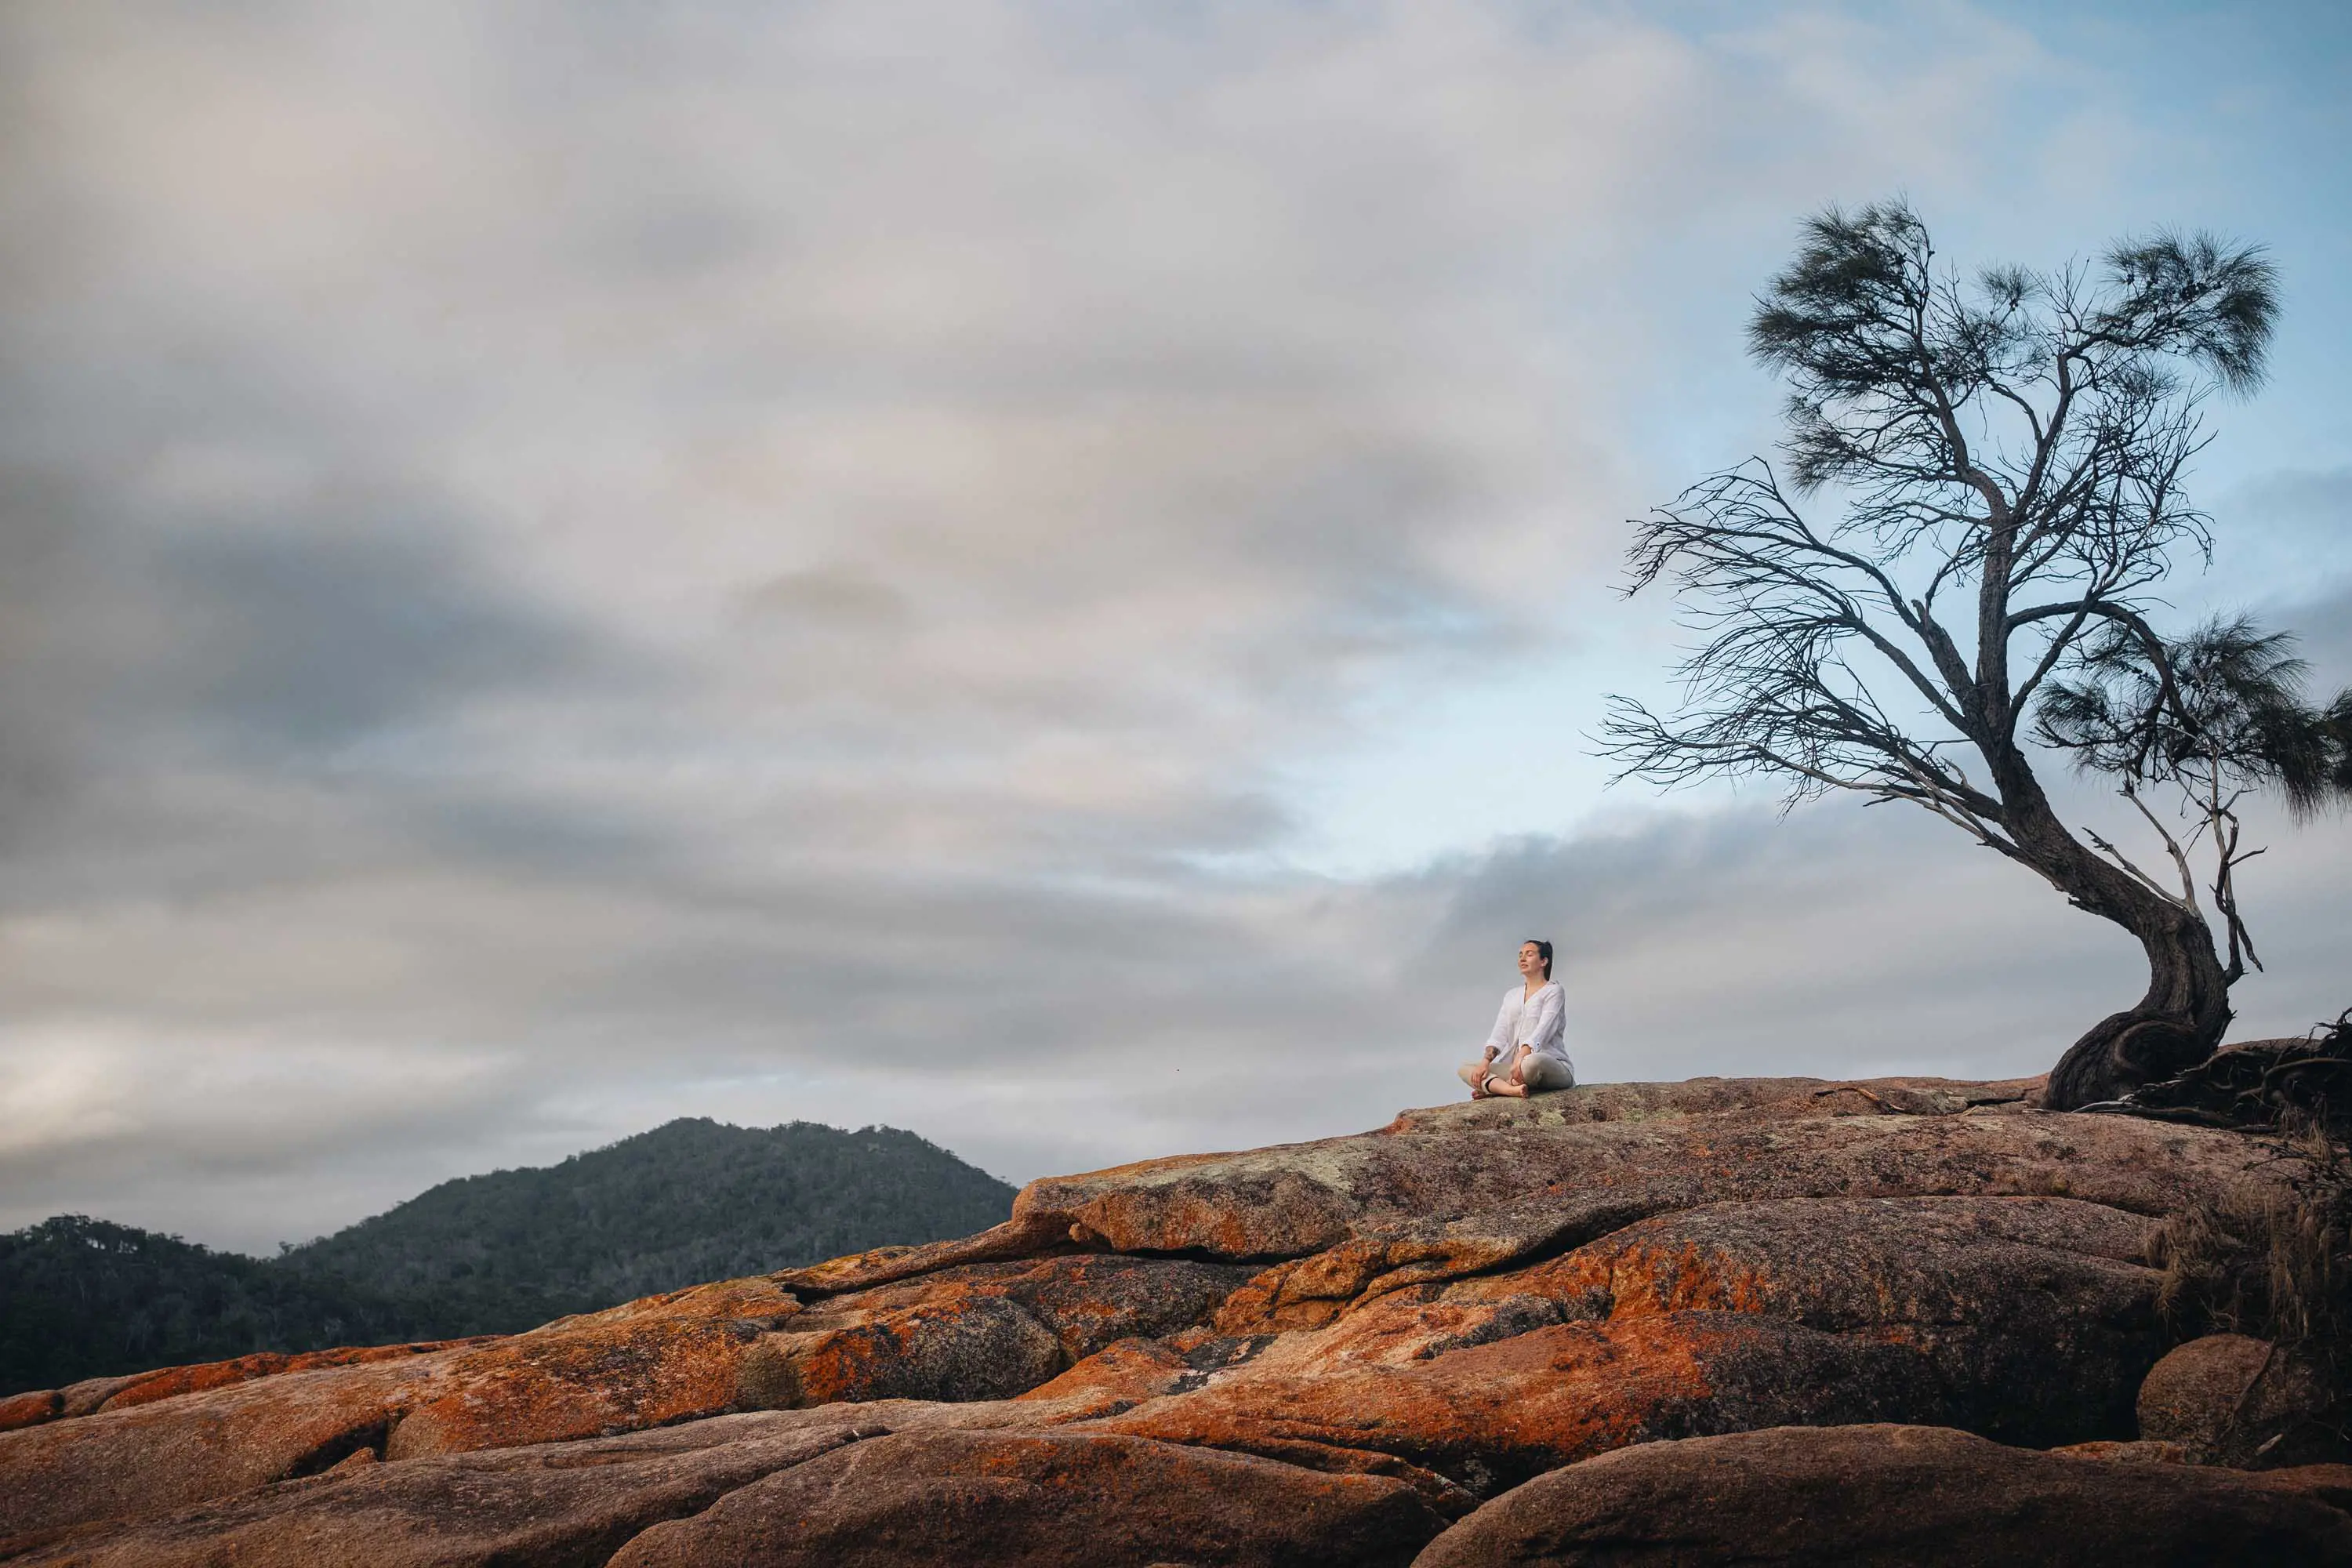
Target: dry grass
{"x": 2272, "y": 1266}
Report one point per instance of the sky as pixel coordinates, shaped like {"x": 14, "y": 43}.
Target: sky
{"x": 1039, "y": 572}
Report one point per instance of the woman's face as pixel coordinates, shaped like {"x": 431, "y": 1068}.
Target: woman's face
{"x": 1531, "y": 962}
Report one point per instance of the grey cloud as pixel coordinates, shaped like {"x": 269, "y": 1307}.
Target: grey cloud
{"x": 285, "y": 639}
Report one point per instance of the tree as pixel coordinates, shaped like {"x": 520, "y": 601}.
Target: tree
{"x": 2002, "y": 459}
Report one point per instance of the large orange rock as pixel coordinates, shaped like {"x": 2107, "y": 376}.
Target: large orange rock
{"x": 2019, "y": 1316}
{"x": 2035, "y": 1316}
{"x": 1897, "y": 1497}
{"x": 648, "y": 1363}
{"x": 1045, "y": 1501}
{"x": 152, "y": 1459}
{"x": 1494, "y": 1413}
{"x": 1296, "y": 1199}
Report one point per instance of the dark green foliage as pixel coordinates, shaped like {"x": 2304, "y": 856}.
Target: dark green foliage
{"x": 692, "y": 1201}
{"x": 2223, "y": 712}
{"x": 689, "y": 1202}
{"x": 80, "y": 1297}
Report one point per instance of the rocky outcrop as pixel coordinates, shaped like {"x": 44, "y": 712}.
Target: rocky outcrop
{"x": 1901, "y": 1497}
{"x": 1322, "y": 1353}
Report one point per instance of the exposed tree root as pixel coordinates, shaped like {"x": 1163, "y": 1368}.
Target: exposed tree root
{"x": 2260, "y": 1086}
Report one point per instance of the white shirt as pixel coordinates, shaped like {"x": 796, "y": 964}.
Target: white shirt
{"x": 1538, "y": 1020}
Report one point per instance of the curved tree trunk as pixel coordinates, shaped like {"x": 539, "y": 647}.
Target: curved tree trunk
{"x": 2181, "y": 1019}
{"x": 2176, "y": 1025}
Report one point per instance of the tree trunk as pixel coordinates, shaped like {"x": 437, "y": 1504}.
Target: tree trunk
{"x": 2176, "y": 1025}
{"x": 2187, "y": 1009}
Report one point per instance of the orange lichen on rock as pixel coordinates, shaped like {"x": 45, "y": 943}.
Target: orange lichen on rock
{"x": 1516, "y": 1406}
{"x": 30, "y": 1409}
{"x": 172, "y": 1381}
{"x": 647, "y": 1363}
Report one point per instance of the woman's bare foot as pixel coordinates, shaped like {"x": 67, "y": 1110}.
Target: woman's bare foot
{"x": 1499, "y": 1084}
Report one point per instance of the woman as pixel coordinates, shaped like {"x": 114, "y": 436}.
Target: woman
{"x": 1529, "y": 1031}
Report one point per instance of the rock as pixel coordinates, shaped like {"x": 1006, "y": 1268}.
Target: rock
{"x": 2228, "y": 1400}
{"x": 145, "y": 1388}
{"x": 664, "y": 1359}
{"x": 557, "y": 1503}
{"x": 91, "y": 1393}
{"x": 1310, "y": 1354}
{"x": 667, "y": 1358}
{"x": 1044, "y": 1500}
{"x": 1121, "y": 1376}
{"x": 152, "y": 1458}
{"x": 864, "y": 1270}
{"x": 1381, "y": 1255}
{"x": 971, "y": 1348}
{"x": 1496, "y": 1413}
{"x": 31, "y": 1409}
{"x": 1085, "y": 1302}
{"x": 2019, "y": 1316}
{"x": 979, "y": 1331}
{"x": 2033, "y": 1315}
{"x": 1891, "y": 1495}
{"x": 1296, "y": 1199}
{"x": 1779, "y": 1097}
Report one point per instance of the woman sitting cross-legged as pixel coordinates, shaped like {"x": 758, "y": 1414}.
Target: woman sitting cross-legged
{"x": 1525, "y": 1053}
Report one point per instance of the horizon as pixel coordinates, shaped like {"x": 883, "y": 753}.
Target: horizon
{"x": 1036, "y": 579}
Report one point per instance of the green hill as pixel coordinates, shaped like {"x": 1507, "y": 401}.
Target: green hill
{"x": 691, "y": 1201}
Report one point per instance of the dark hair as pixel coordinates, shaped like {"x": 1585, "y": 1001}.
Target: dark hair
{"x": 1543, "y": 951}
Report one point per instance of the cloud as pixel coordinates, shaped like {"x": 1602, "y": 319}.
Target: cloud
{"x": 560, "y": 567}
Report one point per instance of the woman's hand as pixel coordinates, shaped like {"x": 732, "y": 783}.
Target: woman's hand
{"x": 1519, "y": 1062}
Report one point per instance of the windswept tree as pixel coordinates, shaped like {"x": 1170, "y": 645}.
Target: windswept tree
{"x": 1952, "y": 571}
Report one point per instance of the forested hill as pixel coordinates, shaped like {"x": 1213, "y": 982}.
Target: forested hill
{"x": 81, "y": 1298}
{"x": 691, "y": 1201}
{"x": 688, "y": 1201}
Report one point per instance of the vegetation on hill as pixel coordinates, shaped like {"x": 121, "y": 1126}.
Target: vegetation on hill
{"x": 688, "y": 1201}
{"x": 81, "y": 1298}
{"x": 691, "y": 1201}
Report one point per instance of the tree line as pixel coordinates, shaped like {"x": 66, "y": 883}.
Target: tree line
{"x": 692, "y": 1201}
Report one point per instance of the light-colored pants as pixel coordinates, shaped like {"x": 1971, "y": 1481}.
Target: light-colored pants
{"x": 1541, "y": 1072}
